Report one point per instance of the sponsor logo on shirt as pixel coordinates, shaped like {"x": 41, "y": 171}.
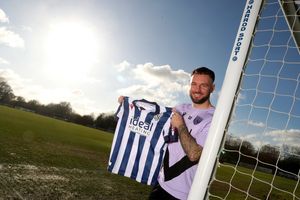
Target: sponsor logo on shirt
{"x": 140, "y": 127}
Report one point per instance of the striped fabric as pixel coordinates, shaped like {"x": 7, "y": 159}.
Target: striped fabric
{"x": 138, "y": 146}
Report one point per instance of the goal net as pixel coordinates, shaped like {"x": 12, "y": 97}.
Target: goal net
{"x": 259, "y": 156}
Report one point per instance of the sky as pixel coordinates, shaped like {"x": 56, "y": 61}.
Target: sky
{"x": 268, "y": 106}
{"x": 90, "y": 52}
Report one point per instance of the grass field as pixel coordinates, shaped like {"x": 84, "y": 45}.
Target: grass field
{"x": 45, "y": 158}
{"x": 246, "y": 184}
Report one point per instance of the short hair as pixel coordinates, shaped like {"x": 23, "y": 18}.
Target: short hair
{"x": 204, "y": 70}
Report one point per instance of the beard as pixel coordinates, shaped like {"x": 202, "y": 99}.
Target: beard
{"x": 200, "y": 101}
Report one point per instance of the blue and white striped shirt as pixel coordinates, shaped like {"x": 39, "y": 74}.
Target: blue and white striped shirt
{"x": 138, "y": 146}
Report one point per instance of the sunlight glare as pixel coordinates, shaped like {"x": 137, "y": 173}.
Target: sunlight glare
{"x": 71, "y": 50}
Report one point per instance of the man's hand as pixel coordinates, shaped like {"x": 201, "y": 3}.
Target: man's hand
{"x": 188, "y": 143}
{"x": 121, "y": 99}
{"x": 177, "y": 119}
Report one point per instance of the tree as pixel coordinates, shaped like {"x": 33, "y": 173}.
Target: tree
{"x": 290, "y": 160}
{"x": 106, "y": 122}
{"x": 268, "y": 157}
{"x": 99, "y": 122}
{"x": 269, "y": 154}
{"x": 248, "y": 153}
{"x": 33, "y": 105}
{"x": 86, "y": 120}
{"x": 62, "y": 110}
{"x": 247, "y": 148}
{"x": 290, "y": 163}
{"x": 18, "y": 102}
{"x": 6, "y": 93}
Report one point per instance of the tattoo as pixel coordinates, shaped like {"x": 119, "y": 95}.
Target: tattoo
{"x": 189, "y": 144}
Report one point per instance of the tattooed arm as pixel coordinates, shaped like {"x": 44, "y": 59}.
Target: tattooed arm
{"x": 188, "y": 142}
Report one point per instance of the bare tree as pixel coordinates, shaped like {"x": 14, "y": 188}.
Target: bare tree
{"x": 6, "y": 93}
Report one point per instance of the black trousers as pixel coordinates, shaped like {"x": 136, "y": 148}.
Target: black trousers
{"x": 158, "y": 193}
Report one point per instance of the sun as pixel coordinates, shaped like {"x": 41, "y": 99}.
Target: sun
{"x": 71, "y": 50}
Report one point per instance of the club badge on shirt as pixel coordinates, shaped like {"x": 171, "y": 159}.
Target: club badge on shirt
{"x": 197, "y": 120}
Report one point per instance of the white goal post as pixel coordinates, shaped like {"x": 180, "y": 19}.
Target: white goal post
{"x": 260, "y": 94}
{"x": 225, "y": 101}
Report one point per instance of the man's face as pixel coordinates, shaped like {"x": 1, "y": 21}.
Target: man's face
{"x": 200, "y": 88}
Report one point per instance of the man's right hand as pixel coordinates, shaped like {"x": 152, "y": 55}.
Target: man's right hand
{"x": 176, "y": 119}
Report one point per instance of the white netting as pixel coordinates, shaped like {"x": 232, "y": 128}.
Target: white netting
{"x": 261, "y": 154}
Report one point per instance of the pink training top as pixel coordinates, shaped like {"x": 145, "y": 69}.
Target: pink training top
{"x": 198, "y": 122}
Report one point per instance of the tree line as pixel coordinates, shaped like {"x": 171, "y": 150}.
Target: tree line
{"x": 284, "y": 161}
{"x": 62, "y": 110}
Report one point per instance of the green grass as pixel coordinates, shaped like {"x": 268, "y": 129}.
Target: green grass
{"x": 45, "y": 158}
{"x": 257, "y": 185}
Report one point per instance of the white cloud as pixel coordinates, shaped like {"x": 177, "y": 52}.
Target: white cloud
{"x": 79, "y": 102}
{"x": 10, "y": 38}
{"x": 11, "y": 77}
{"x": 122, "y": 66}
{"x": 248, "y": 137}
{"x": 256, "y": 124}
{"x": 289, "y": 137}
{"x": 3, "y": 17}
{"x": 3, "y": 61}
{"x": 241, "y": 97}
{"x": 160, "y": 74}
{"x": 150, "y": 93}
{"x": 27, "y": 28}
{"x": 285, "y": 133}
{"x": 25, "y": 88}
{"x": 155, "y": 83}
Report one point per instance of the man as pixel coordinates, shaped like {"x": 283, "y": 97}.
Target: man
{"x": 192, "y": 122}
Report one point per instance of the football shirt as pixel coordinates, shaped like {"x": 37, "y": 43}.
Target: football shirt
{"x": 139, "y": 141}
